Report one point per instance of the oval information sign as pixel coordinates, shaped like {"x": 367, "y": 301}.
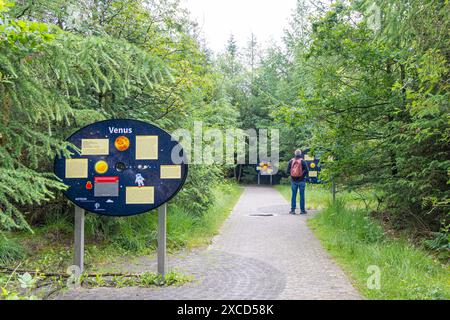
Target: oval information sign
{"x": 125, "y": 168}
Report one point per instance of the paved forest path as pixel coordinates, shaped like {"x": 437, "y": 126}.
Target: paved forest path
{"x": 254, "y": 257}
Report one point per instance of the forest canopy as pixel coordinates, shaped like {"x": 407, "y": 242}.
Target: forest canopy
{"x": 370, "y": 99}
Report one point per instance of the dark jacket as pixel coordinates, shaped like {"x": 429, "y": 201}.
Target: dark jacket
{"x": 304, "y": 168}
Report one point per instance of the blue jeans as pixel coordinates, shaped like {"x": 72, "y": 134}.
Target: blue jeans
{"x": 299, "y": 185}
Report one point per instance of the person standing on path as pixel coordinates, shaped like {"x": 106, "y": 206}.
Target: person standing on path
{"x": 298, "y": 170}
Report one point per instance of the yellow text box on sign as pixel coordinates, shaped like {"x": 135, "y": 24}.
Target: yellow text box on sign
{"x": 313, "y": 174}
{"x": 76, "y": 168}
{"x": 146, "y": 147}
{"x": 140, "y": 195}
{"x": 171, "y": 172}
{"x": 94, "y": 147}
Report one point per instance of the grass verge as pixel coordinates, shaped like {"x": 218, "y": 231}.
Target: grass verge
{"x": 362, "y": 248}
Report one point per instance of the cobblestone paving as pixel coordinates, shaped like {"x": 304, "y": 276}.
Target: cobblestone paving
{"x": 262, "y": 252}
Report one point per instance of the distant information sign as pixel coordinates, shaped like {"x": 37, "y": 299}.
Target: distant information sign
{"x": 265, "y": 168}
{"x": 313, "y": 168}
{"x": 125, "y": 168}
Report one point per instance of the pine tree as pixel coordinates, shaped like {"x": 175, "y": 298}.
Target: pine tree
{"x": 50, "y": 84}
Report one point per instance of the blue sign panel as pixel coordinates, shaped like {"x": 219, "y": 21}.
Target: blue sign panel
{"x": 123, "y": 168}
{"x": 314, "y": 170}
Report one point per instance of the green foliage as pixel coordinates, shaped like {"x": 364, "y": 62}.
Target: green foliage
{"x": 135, "y": 234}
{"x": 26, "y": 280}
{"x": 144, "y": 280}
{"x": 198, "y": 194}
{"x": 373, "y": 104}
{"x": 14, "y": 295}
{"x": 440, "y": 243}
{"x": 56, "y": 76}
{"x": 357, "y": 242}
{"x": 49, "y": 258}
{"x": 56, "y": 226}
{"x": 10, "y": 251}
{"x": 226, "y": 197}
{"x": 25, "y": 286}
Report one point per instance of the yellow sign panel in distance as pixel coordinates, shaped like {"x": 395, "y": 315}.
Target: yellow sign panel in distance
{"x": 101, "y": 167}
{"x": 146, "y": 147}
{"x": 76, "y": 168}
{"x": 140, "y": 195}
{"x": 170, "y": 172}
{"x": 95, "y": 147}
{"x": 312, "y": 174}
{"x": 309, "y": 158}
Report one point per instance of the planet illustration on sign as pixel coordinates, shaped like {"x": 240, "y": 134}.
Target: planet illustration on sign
{"x": 101, "y": 167}
{"x": 122, "y": 143}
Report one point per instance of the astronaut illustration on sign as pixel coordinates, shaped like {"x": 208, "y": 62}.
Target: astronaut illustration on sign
{"x": 139, "y": 180}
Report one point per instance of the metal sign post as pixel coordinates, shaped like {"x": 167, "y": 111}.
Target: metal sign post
{"x": 162, "y": 257}
{"x": 78, "y": 258}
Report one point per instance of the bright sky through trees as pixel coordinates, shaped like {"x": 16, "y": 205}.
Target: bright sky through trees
{"x": 219, "y": 18}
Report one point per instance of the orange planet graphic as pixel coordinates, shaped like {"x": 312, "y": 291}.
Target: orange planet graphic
{"x": 122, "y": 143}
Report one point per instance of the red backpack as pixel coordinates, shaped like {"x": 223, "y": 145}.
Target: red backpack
{"x": 296, "y": 168}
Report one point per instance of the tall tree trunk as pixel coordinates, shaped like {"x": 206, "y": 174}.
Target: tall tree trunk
{"x": 240, "y": 173}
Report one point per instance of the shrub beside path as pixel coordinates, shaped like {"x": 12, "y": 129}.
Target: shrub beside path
{"x": 262, "y": 252}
